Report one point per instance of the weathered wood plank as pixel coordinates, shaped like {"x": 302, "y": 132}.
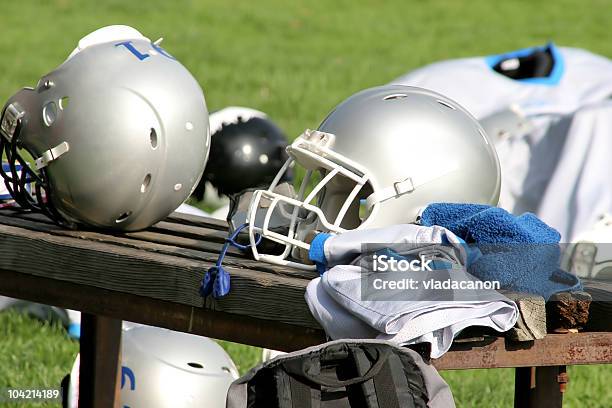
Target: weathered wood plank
{"x": 567, "y": 311}
{"x": 205, "y": 231}
{"x": 580, "y": 348}
{"x": 196, "y": 220}
{"x": 531, "y": 324}
{"x": 175, "y": 217}
{"x": 190, "y": 243}
{"x": 137, "y": 239}
{"x": 174, "y": 316}
{"x": 164, "y": 277}
{"x": 188, "y": 239}
{"x": 153, "y": 246}
{"x": 165, "y": 244}
{"x": 189, "y": 231}
{"x": 30, "y": 220}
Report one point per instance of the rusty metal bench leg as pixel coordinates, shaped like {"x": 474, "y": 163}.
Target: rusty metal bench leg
{"x": 100, "y": 347}
{"x": 536, "y": 387}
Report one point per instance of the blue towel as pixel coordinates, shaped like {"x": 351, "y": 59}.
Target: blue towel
{"x": 483, "y": 224}
{"x": 521, "y": 252}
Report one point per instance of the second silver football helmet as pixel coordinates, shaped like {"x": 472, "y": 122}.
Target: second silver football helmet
{"x": 378, "y": 159}
{"x": 164, "y": 368}
{"x": 118, "y": 134}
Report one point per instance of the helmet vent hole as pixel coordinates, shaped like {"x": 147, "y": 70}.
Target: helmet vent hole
{"x": 63, "y": 102}
{"x": 446, "y": 105}
{"x": 145, "y": 183}
{"x": 153, "y": 138}
{"x": 123, "y": 217}
{"x": 226, "y": 369}
{"x": 49, "y": 113}
{"x": 195, "y": 365}
{"x": 394, "y": 96}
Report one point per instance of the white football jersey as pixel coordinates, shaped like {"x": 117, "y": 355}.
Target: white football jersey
{"x": 579, "y": 192}
{"x": 577, "y": 77}
{"x": 549, "y": 159}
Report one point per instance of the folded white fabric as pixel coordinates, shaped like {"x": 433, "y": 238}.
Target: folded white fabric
{"x": 336, "y": 300}
{"x": 436, "y": 323}
{"x": 343, "y": 248}
{"x": 337, "y": 322}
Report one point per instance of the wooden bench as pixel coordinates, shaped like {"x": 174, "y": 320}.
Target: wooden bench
{"x": 153, "y": 276}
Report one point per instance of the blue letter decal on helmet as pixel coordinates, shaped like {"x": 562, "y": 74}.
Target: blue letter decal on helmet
{"x": 133, "y": 50}
{"x": 161, "y": 51}
{"x": 127, "y": 372}
{"x": 141, "y": 56}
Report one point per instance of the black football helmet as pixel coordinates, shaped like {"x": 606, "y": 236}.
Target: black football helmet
{"x": 247, "y": 150}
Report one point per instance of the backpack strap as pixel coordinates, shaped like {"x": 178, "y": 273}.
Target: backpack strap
{"x": 292, "y": 393}
{"x": 392, "y": 386}
{"x": 362, "y": 394}
{"x": 388, "y": 388}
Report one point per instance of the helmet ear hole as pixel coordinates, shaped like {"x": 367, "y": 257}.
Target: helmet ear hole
{"x": 145, "y": 183}
{"x": 49, "y": 113}
{"x": 122, "y": 217}
{"x": 153, "y": 138}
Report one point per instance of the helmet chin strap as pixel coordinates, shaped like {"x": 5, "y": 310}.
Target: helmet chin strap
{"x": 216, "y": 281}
{"x": 29, "y": 189}
{"x": 405, "y": 186}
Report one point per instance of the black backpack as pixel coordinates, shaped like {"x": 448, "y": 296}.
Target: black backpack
{"x": 343, "y": 373}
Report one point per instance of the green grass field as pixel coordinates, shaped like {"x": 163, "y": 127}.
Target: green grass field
{"x": 294, "y": 60}
{"x": 36, "y": 354}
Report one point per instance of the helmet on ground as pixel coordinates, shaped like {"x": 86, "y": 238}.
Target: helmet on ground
{"x": 247, "y": 150}
{"x": 164, "y": 368}
{"x": 378, "y": 159}
{"x": 118, "y": 134}
{"x": 590, "y": 255}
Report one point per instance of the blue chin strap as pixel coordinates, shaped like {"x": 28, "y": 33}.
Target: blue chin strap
{"x": 216, "y": 281}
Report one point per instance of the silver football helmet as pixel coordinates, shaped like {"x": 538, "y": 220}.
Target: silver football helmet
{"x": 590, "y": 255}
{"x": 378, "y": 159}
{"x": 118, "y": 134}
{"x": 164, "y": 368}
